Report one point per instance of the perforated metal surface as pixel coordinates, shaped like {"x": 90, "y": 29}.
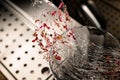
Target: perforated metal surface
{"x": 18, "y": 54}
{"x": 22, "y": 57}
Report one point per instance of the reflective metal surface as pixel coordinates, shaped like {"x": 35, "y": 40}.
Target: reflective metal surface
{"x": 20, "y": 59}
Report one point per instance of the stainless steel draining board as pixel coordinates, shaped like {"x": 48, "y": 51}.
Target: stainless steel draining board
{"x": 20, "y": 59}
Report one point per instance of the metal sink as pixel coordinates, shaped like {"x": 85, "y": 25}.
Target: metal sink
{"x": 20, "y": 59}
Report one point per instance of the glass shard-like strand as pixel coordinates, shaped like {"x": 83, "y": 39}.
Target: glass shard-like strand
{"x": 45, "y": 25}
{"x": 57, "y": 57}
{"x": 56, "y": 23}
{"x": 36, "y": 37}
{"x": 37, "y": 20}
{"x": 61, "y": 5}
{"x": 53, "y": 13}
{"x": 65, "y": 27}
{"x": 59, "y": 16}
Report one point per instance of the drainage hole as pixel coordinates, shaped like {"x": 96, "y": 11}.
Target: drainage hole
{"x": 10, "y": 65}
{"x": 18, "y": 58}
{"x": 28, "y": 29}
{"x": 2, "y": 30}
{"x": 40, "y": 52}
{"x": 21, "y": 35}
{"x": 32, "y": 58}
{"x": 19, "y": 46}
{"x": 17, "y": 71}
{"x": 16, "y": 19}
{"x": 14, "y": 40}
{"x": 1, "y": 40}
{"x": 24, "y": 78}
{"x": 4, "y": 58}
{"x": 7, "y": 35}
{"x": 45, "y": 71}
{"x": 15, "y": 29}
{"x": 26, "y": 52}
{"x": 22, "y": 24}
{"x": 33, "y": 46}
{"x": 9, "y": 24}
{"x": 32, "y": 71}
{"x": 11, "y": 15}
{"x": 25, "y": 65}
{"x": 12, "y": 52}
{"x": 6, "y": 46}
{"x": 39, "y": 78}
{"x": 51, "y": 35}
{"x": 53, "y": 78}
{"x": 4, "y": 19}
{"x": 27, "y": 40}
{"x": 39, "y": 65}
